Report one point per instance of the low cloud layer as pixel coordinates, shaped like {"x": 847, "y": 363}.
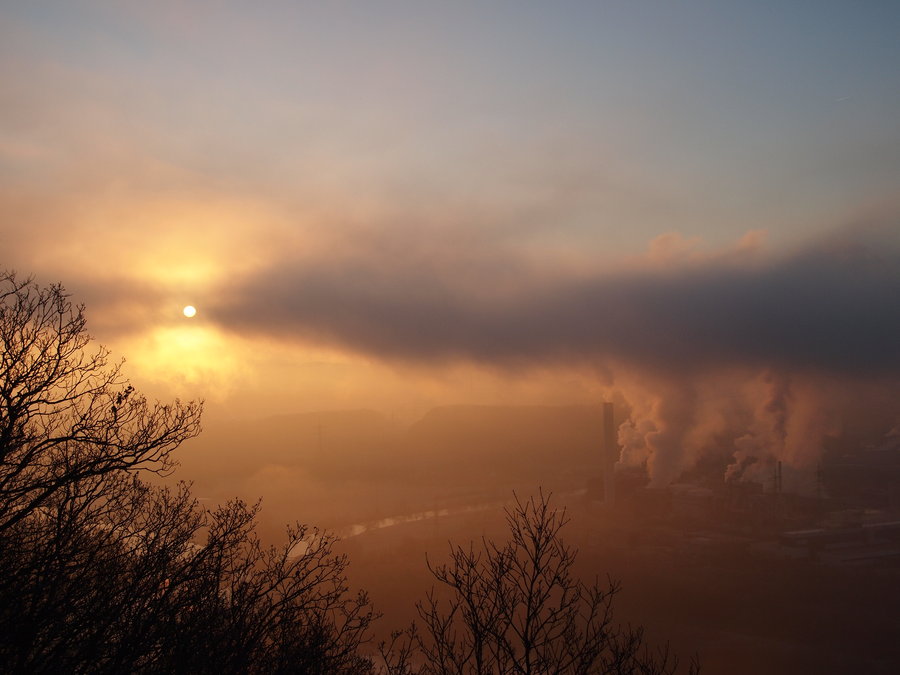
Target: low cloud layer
{"x": 830, "y": 307}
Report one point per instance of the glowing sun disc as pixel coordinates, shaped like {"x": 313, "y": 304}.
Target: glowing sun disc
{"x": 189, "y": 311}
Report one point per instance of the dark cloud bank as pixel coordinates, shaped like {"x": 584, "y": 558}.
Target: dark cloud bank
{"x": 832, "y": 306}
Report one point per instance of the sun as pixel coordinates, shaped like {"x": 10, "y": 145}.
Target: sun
{"x": 189, "y": 311}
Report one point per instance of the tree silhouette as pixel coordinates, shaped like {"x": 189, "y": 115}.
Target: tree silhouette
{"x": 516, "y": 608}
{"x": 67, "y": 414}
{"x": 101, "y": 572}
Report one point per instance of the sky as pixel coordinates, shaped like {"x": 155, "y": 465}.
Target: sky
{"x": 398, "y": 205}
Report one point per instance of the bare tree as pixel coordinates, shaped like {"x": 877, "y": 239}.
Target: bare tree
{"x": 516, "y": 608}
{"x": 66, "y": 413}
{"x": 101, "y": 572}
{"x": 144, "y": 580}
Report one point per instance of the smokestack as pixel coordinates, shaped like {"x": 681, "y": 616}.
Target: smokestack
{"x": 610, "y": 453}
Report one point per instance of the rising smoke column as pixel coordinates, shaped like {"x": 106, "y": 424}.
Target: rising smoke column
{"x": 756, "y": 451}
{"x": 752, "y": 418}
{"x": 656, "y": 436}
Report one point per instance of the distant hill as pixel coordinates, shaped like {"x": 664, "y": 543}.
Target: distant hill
{"x": 487, "y": 443}
{"x": 332, "y": 465}
{"x": 325, "y": 443}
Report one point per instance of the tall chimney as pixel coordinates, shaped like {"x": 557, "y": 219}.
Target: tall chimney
{"x": 610, "y": 453}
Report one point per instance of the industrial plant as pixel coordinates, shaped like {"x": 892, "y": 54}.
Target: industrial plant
{"x": 849, "y": 512}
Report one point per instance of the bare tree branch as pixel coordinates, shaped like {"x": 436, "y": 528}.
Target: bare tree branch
{"x": 515, "y": 608}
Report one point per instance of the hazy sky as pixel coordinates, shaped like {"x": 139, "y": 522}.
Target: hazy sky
{"x": 398, "y": 204}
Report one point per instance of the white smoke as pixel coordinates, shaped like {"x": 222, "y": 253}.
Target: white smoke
{"x": 756, "y": 451}
{"x": 753, "y": 418}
